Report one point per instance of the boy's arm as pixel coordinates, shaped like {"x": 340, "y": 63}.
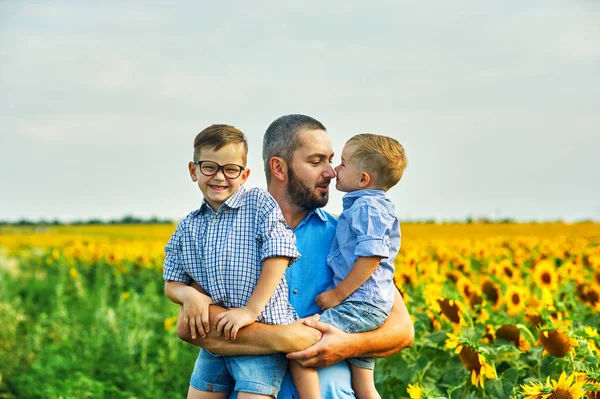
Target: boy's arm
{"x": 228, "y": 323}
{"x": 360, "y": 272}
{"x": 395, "y": 334}
{"x": 195, "y": 302}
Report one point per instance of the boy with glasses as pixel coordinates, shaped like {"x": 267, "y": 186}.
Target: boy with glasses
{"x": 233, "y": 251}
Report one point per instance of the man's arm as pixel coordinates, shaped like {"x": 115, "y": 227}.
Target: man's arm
{"x": 395, "y": 334}
{"x": 254, "y": 339}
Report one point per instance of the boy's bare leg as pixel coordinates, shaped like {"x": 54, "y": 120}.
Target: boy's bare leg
{"x": 306, "y": 380}
{"x": 248, "y": 395}
{"x": 193, "y": 393}
{"x": 363, "y": 383}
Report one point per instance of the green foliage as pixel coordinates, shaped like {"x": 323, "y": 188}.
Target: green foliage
{"x": 84, "y": 338}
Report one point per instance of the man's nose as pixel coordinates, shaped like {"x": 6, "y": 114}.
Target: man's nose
{"x": 329, "y": 172}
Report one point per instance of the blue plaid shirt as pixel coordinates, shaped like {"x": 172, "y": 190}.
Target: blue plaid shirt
{"x": 224, "y": 251}
{"x": 367, "y": 227}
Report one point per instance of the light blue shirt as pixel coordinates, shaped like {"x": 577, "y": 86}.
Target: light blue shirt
{"x": 367, "y": 227}
{"x": 224, "y": 251}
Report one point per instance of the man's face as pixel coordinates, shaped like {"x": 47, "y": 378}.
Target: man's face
{"x": 310, "y": 171}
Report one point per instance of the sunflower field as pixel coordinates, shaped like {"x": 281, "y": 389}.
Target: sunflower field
{"x": 499, "y": 310}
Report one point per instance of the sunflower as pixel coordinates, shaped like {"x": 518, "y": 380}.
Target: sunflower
{"x": 544, "y": 275}
{"x": 592, "y": 295}
{"x": 415, "y": 391}
{"x": 451, "y": 309}
{"x": 473, "y": 361}
{"x": 533, "y": 317}
{"x": 505, "y": 270}
{"x": 492, "y": 293}
{"x": 591, "y": 380}
{"x": 515, "y": 298}
{"x": 564, "y": 388}
{"x": 556, "y": 342}
{"x": 512, "y": 334}
{"x": 567, "y": 271}
{"x": 465, "y": 287}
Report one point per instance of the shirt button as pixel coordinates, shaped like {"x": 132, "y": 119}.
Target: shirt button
{"x": 295, "y": 291}
{"x": 214, "y": 220}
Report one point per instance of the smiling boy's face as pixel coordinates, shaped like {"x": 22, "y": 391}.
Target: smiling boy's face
{"x": 217, "y": 188}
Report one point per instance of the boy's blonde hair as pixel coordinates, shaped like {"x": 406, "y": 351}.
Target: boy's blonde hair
{"x": 217, "y": 137}
{"x": 381, "y": 156}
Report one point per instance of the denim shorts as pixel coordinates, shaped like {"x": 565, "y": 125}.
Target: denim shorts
{"x": 255, "y": 374}
{"x": 354, "y": 317}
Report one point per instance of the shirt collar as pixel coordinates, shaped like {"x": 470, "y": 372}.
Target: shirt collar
{"x": 318, "y": 212}
{"x": 352, "y": 196}
{"x": 235, "y": 201}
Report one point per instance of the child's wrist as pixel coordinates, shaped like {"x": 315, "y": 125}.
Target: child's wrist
{"x": 254, "y": 312}
{"x": 339, "y": 294}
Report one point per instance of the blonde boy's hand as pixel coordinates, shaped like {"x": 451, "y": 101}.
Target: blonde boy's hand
{"x": 229, "y": 323}
{"x": 195, "y": 313}
{"x": 329, "y": 299}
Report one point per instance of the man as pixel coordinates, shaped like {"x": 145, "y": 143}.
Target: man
{"x": 297, "y": 154}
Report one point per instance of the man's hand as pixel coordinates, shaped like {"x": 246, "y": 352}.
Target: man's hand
{"x": 195, "y": 313}
{"x": 229, "y": 323}
{"x": 329, "y": 299}
{"x": 331, "y": 349}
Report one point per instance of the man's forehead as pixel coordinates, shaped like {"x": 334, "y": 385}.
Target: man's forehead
{"x": 315, "y": 142}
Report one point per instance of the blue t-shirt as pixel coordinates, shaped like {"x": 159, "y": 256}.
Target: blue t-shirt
{"x": 308, "y": 277}
{"x": 367, "y": 227}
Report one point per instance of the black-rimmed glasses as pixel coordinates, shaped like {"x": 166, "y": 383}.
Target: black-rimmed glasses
{"x": 210, "y": 168}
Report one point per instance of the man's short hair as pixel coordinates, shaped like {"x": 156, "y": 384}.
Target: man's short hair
{"x": 281, "y": 138}
{"x": 218, "y": 136}
{"x": 383, "y": 156}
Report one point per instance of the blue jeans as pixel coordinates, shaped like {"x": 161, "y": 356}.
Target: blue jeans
{"x": 353, "y": 317}
{"x": 255, "y": 374}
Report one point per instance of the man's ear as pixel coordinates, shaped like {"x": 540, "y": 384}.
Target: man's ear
{"x": 279, "y": 169}
{"x": 192, "y": 169}
{"x": 365, "y": 179}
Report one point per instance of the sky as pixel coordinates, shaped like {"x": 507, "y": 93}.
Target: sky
{"x": 497, "y": 104}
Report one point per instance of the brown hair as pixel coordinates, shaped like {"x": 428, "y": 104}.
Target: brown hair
{"x": 217, "y": 137}
{"x": 382, "y": 156}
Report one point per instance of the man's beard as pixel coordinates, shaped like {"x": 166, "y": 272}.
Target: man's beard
{"x": 303, "y": 196}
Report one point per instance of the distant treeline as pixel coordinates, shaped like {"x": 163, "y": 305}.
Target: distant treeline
{"x": 128, "y": 219}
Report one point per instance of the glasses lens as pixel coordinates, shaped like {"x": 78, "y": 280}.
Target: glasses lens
{"x": 232, "y": 171}
{"x": 208, "y": 168}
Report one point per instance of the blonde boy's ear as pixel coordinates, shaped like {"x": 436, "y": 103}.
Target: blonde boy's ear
{"x": 365, "y": 180}
{"x": 278, "y": 168}
{"x": 244, "y": 176}
{"x": 192, "y": 169}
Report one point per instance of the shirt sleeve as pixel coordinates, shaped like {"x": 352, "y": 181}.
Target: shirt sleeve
{"x": 372, "y": 229}
{"x": 276, "y": 236}
{"x": 173, "y": 265}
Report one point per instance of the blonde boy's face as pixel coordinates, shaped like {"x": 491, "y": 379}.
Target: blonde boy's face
{"x": 218, "y": 188}
{"x": 348, "y": 175}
